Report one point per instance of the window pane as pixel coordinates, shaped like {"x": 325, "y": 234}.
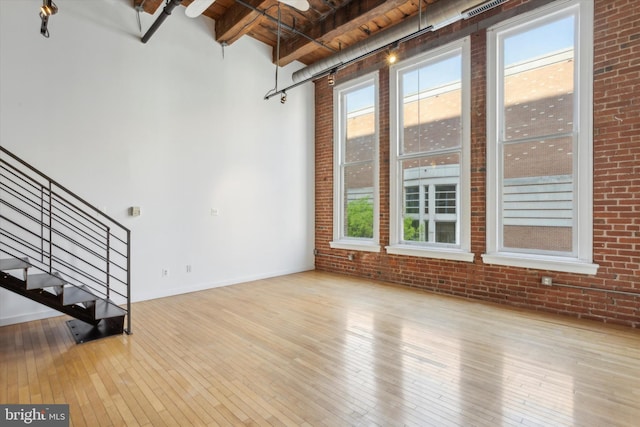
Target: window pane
{"x": 430, "y": 186}
{"x": 431, "y": 107}
{"x": 358, "y": 204}
{"x": 360, "y": 125}
{"x": 445, "y": 232}
{"x": 445, "y": 199}
{"x": 412, "y": 199}
{"x": 538, "y": 195}
{"x": 539, "y": 82}
{"x": 413, "y": 231}
{"x": 538, "y": 175}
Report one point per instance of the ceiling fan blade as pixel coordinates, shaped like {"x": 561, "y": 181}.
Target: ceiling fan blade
{"x": 302, "y": 5}
{"x": 196, "y": 7}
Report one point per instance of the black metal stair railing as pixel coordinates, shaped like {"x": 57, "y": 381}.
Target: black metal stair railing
{"x": 61, "y": 232}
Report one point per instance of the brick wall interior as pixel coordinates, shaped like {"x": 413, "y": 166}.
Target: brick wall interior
{"x": 616, "y": 197}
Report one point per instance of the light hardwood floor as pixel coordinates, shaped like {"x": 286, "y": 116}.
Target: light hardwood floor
{"x": 317, "y": 349}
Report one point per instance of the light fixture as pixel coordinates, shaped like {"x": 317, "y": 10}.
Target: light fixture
{"x": 392, "y": 56}
{"x": 48, "y": 8}
{"x": 331, "y": 78}
{"x": 283, "y": 97}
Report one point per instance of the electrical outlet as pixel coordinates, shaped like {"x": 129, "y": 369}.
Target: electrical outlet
{"x": 546, "y": 280}
{"x": 165, "y": 272}
{"x": 188, "y": 268}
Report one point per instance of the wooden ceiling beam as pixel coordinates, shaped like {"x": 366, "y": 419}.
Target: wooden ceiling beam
{"x": 149, "y": 6}
{"x": 351, "y": 16}
{"x": 238, "y": 20}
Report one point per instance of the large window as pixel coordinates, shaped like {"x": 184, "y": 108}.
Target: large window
{"x": 539, "y": 203}
{"x": 430, "y": 198}
{"x": 356, "y": 165}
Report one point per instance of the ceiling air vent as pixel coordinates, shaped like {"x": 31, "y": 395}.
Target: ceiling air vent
{"x": 477, "y": 10}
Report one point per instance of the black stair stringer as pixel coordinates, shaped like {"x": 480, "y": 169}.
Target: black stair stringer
{"x": 41, "y": 296}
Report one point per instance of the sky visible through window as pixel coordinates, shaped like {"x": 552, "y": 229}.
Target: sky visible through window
{"x": 555, "y": 36}
{"x": 360, "y": 99}
{"x": 539, "y": 41}
{"x": 432, "y": 75}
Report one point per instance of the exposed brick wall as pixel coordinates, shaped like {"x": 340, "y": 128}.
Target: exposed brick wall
{"x": 616, "y": 182}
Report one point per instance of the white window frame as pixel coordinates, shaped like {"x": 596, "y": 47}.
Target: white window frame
{"x": 461, "y": 251}
{"x": 339, "y": 137}
{"x": 581, "y": 260}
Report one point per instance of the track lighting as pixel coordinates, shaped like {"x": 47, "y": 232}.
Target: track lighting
{"x": 331, "y": 78}
{"x": 283, "y": 97}
{"x": 48, "y": 8}
{"x": 392, "y": 57}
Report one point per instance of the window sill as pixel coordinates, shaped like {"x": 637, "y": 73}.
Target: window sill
{"x": 353, "y": 245}
{"x": 448, "y": 254}
{"x": 541, "y": 263}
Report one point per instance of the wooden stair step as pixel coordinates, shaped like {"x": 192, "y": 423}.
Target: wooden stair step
{"x": 44, "y": 280}
{"x": 72, "y": 294}
{"x": 14, "y": 264}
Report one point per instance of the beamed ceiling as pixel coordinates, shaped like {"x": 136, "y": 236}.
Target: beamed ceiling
{"x": 325, "y": 28}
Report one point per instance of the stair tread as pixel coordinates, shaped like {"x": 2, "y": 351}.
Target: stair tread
{"x": 14, "y": 264}
{"x": 74, "y": 294}
{"x": 44, "y": 280}
{"x": 105, "y": 309}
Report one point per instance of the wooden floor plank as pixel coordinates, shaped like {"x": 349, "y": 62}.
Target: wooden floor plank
{"x": 319, "y": 349}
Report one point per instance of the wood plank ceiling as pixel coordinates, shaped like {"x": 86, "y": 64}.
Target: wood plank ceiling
{"x": 325, "y": 28}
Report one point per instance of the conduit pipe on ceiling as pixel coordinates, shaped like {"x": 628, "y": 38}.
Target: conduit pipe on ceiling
{"x": 436, "y": 16}
{"x": 172, "y": 4}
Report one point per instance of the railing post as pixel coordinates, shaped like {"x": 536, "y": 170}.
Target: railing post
{"x": 42, "y": 224}
{"x": 129, "y": 282}
{"x": 108, "y": 261}
{"x": 50, "y": 228}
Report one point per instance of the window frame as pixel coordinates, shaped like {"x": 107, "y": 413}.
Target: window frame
{"x": 581, "y": 261}
{"x": 462, "y": 250}
{"x": 339, "y": 137}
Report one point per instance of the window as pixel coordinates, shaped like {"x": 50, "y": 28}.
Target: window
{"x": 356, "y": 165}
{"x": 430, "y": 137}
{"x": 539, "y": 161}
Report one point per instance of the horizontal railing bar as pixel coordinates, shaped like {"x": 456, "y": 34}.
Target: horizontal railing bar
{"x": 22, "y": 227}
{"x": 37, "y": 198}
{"x": 60, "y": 231}
{"x": 59, "y": 234}
{"x": 77, "y": 210}
{"x": 36, "y": 250}
{"x": 48, "y": 227}
{"x": 35, "y": 192}
{"x": 21, "y": 242}
{"x": 92, "y": 280}
{"x": 28, "y": 202}
{"x": 68, "y": 225}
{"x": 63, "y": 188}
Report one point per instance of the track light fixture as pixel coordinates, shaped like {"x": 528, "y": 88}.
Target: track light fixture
{"x": 392, "y": 56}
{"x": 331, "y": 78}
{"x": 48, "y": 8}
{"x": 283, "y": 97}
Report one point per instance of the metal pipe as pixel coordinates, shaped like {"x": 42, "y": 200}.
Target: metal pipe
{"x": 351, "y": 61}
{"x": 437, "y": 15}
{"x": 171, "y": 4}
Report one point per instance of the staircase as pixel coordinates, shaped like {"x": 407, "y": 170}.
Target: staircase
{"x": 60, "y": 251}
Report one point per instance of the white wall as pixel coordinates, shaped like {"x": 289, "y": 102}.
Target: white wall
{"x": 169, "y": 126}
